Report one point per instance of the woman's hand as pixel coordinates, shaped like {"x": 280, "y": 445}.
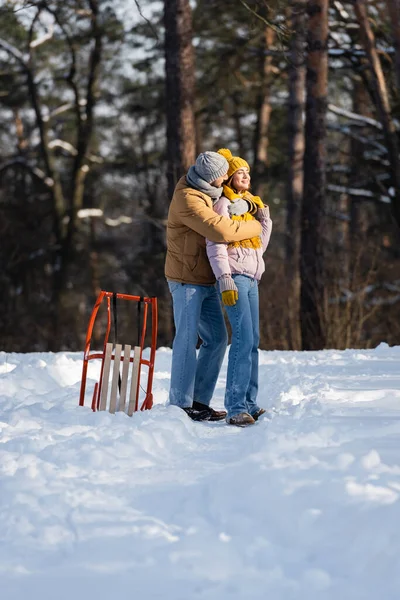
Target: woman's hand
{"x": 255, "y": 200}
{"x": 229, "y": 297}
{"x": 228, "y": 289}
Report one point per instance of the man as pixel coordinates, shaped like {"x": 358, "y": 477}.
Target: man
{"x": 196, "y": 304}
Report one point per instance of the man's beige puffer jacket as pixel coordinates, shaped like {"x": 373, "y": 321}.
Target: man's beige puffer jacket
{"x": 191, "y": 219}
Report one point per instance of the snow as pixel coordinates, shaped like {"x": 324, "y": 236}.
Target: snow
{"x": 302, "y": 505}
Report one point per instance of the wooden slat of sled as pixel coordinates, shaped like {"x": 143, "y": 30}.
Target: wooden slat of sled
{"x": 114, "y": 383}
{"x": 134, "y": 380}
{"x": 106, "y": 375}
{"x": 124, "y": 379}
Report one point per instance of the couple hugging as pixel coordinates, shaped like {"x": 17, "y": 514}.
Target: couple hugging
{"x": 216, "y": 230}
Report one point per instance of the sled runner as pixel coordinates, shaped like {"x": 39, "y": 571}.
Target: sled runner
{"x": 123, "y": 393}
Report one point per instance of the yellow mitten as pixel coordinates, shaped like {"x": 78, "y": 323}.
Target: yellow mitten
{"x": 230, "y": 297}
{"x": 255, "y": 200}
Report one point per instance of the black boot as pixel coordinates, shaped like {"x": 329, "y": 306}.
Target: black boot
{"x": 197, "y": 415}
{"x": 215, "y": 415}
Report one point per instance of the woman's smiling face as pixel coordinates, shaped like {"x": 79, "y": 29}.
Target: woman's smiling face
{"x": 241, "y": 179}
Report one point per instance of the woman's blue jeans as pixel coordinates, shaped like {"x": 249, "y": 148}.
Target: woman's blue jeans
{"x": 242, "y": 376}
{"x": 197, "y": 311}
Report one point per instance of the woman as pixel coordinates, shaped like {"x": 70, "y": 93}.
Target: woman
{"x": 238, "y": 267}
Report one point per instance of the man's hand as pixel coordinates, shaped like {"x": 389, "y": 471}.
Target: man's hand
{"x": 230, "y": 297}
{"x": 238, "y": 207}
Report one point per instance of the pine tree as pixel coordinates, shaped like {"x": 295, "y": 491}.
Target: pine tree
{"x": 313, "y": 207}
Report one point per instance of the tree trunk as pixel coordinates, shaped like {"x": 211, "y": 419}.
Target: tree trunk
{"x": 313, "y": 208}
{"x": 263, "y": 113}
{"x": 382, "y": 103}
{"x": 179, "y": 66}
{"x": 297, "y": 80}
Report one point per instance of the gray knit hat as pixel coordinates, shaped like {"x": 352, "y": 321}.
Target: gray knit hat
{"x": 211, "y": 165}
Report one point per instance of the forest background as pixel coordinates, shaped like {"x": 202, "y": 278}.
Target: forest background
{"x": 105, "y": 104}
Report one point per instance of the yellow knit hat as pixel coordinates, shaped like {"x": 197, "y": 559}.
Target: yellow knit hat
{"x": 235, "y": 162}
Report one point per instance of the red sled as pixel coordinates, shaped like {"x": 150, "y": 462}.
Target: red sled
{"x": 105, "y": 394}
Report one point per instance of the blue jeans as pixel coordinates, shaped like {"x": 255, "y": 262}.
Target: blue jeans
{"x": 197, "y": 311}
{"x": 242, "y": 376}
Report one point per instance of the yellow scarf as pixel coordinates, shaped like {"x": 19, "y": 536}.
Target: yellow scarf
{"x": 254, "y": 242}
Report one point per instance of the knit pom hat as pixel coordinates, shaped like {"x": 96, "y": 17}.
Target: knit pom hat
{"x": 235, "y": 162}
{"x": 210, "y": 165}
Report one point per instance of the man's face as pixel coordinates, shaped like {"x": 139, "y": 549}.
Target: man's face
{"x": 218, "y": 182}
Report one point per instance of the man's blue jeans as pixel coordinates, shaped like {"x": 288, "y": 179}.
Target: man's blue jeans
{"x": 197, "y": 311}
{"x": 242, "y": 376}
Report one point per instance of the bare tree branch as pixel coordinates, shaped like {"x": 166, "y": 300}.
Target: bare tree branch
{"x": 358, "y": 192}
{"x": 35, "y": 171}
{"x": 149, "y": 23}
{"x": 64, "y": 145}
{"x": 281, "y": 31}
{"x": 15, "y": 10}
{"x": 14, "y": 52}
{"x": 354, "y": 117}
{"x": 61, "y": 109}
{"x": 47, "y": 36}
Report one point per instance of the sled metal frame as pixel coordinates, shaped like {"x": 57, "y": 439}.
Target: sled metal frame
{"x": 106, "y": 357}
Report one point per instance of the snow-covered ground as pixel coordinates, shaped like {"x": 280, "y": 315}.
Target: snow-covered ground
{"x": 303, "y": 505}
